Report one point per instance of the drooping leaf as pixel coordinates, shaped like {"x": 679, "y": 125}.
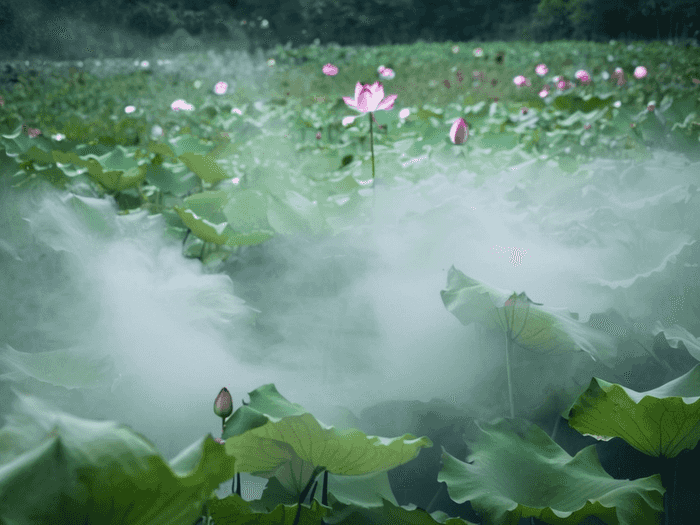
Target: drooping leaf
{"x": 659, "y": 422}
{"x": 542, "y": 330}
{"x": 516, "y": 471}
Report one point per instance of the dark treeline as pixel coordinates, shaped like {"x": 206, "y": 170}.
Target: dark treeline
{"x": 33, "y": 28}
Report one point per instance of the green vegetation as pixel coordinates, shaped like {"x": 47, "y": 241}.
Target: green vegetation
{"x": 235, "y": 168}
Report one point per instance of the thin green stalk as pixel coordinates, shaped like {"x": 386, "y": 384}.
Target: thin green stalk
{"x": 371, "y": 147}
{"x": 509, "y": 346}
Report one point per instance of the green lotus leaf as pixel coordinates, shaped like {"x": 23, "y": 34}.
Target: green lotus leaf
{"x": 542, "y": 330}
{"x": 661, "y": 422}
{"x": 516, "y": 471}
{"x": 294, "y": 448}
{"x": 101, "y": 472}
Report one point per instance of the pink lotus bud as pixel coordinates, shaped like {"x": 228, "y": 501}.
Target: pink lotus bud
{"x": 459, "y": 133}
{"x": 223, "y": 405}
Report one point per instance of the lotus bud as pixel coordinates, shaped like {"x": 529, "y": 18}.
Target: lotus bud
{"x": 223, "y": 405}
{"x": 459, "y": 132}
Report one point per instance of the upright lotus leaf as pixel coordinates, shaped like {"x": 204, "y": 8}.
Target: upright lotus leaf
{"x": 293, "y": 462}
{"x": 516, "y": 471}
{"x": 296, "y": 448}
{"x": 545, "y": 331}
{"x": 542, "y": 330}
{"x": 82, "y": 471}
{"x": 204, "y": 166}
{"x": 661, "y": 422}
{"x": 114, "y": 170}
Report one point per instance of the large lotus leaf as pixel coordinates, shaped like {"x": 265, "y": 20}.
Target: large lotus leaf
{"x": 202, "y": 228}
{"x": 294, "y": 448}
{"x": 268, "y": 405}
{"x": 246, "y": 210}
{"x": 67, "y": 368}
{"x": 659, "y": 422}
{"x": 124, "y": 172}
{"x": 82, "y": 471}
{"x": 204, "y": 166}
{"x": 175, "y": 180}
{"x": 220, "y": 233}
{"x": 677, "y": 334}
{"x": 516, "y": 471}
{"x": 294, "y": 213}
{"x": 543, "y": 330}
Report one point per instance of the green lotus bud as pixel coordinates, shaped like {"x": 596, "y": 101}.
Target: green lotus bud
{"x": 223, "y": 405}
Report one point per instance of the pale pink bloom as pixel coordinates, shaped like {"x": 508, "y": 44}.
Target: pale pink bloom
{"x": 563, "y": 84}
{"x": 455, "y": 49}
{"x": 478, "y": 52}
{"x": 33, "y": 132}
{"x": 219, "y": 440}
{"x": 181, "y": 104}
{"x": 651, "y": 107}
{"x": 541, "y": 70}
{"x": 521, "y": 81}
{"x": 237, "y": 111}
{"x": 387, "y": 73}
{"x": 459, "y": 132}
{"x": 129, "y": 109}
{"x": 640, "y": 72}
{"x": 545, "y": 91}
{"x": 583, "y": 76}
{"x": 404, "y": 113}
{"x": 220, "y": 88}
{"x": 369, "y": 98}
{"x": 330, "y": 70}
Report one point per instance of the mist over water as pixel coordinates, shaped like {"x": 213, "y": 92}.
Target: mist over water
{"x": 349, "y": 320}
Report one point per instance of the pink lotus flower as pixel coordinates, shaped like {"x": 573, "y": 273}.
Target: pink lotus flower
{"x": 459, "y": 132}
{"x": 478, "y": 52}
{"x": 386, "y": 72}
{"x": 330, "y": 70}
{"x": 640, "y": 72}
{"x": 583, "y": 76}
{"x": 541, "y": 70}
{"x": 369, "y": 98}
{"x": 181, "y": 104}
{"x": 220, "y": 441}
{"x": 521, "y": 81}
